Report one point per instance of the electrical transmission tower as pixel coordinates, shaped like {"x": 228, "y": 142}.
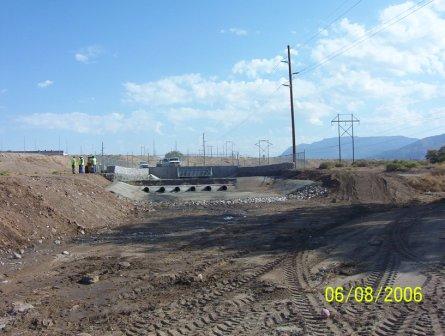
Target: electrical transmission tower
{"x": 263, "y": 148}
{"x": 345, "y": 125}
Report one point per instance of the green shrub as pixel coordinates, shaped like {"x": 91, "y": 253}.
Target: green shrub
{"x": 361, "y": 163}
{"x": 326, "y": 165}
{"x": 339, "y": 165}
{"x": 436, "y": 156}
{"x": 4, "y": 173}
{"x": 401, "y": 165}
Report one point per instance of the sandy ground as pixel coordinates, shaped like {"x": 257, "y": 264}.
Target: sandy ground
{"x": 244, "y": 269}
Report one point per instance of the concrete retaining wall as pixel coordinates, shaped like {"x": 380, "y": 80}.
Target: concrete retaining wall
{"x": 127, "y": 174}
{"x": 171, "y": 173}
{"x": 268, "y": 170}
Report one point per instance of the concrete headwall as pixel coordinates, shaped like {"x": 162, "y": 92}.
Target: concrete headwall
{"x": 267, "y": 170}
{"x": 164, "y": 172}
{"x": 170, "y": 173}
{"x": 127, "y": 174}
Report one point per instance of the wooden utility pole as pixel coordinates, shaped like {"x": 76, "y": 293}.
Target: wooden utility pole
{"x": 204, "y": 148}
{"x": 291, "y": 94}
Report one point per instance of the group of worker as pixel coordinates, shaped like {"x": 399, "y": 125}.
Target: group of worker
{"x": 78, "y": 163}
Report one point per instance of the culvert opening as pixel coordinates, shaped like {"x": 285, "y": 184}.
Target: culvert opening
{"x": 146, "y": 189}
{"x": 223, "y": 188}
{"x": 192, "y": 188}
{"x": 161, "y": 190}
{"x": 176, "y": 189}
{"x": 207, "y": 188}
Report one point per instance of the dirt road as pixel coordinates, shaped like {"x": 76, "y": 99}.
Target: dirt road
{"x": 245, "y": 270}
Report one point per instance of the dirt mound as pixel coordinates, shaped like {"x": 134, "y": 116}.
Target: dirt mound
{"x": 33, "y": 164}
{"x": 429, "y": 182}
{"x": 55, "y": 207}
{"x": 372, "y": 187}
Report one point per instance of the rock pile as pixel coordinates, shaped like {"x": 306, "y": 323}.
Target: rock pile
{"x": 309, "y": 192}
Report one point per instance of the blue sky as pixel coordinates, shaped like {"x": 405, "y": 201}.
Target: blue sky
{"x": 127, "y": 73}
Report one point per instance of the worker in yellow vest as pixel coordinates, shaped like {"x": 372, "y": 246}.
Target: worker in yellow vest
{"x": 81, "y": 165}
{"x": 94, "y": 162}
{"x": 73, "y": 164}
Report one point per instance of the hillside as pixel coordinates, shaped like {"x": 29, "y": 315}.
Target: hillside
{"x": 365, "y": 147}
{"x": 415, "y": 150}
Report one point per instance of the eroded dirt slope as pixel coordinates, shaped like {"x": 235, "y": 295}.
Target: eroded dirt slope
{"x": 55, "y": 207}
{"x": 27, "y": 164}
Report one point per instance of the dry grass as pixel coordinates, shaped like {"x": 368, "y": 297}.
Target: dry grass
{"x": 434, "y": 181}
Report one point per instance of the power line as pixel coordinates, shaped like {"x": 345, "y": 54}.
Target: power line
{"x": 317, "y": 150}
{"x": 337, "y": 9}
{"x": 311, "y": 38}
{"x": 242, "y": 122}
{"x": 370, "y": 33}
{"x": 349, "y": 123}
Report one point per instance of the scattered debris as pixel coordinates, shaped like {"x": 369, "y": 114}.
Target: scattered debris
{"x": 65, "y": 253}
{"x": 20, "y": 307}
{"x": 375, "y": 241}
{"x": 89, "y": 279}
{"x": 325, "y": 313}
{"x": 124, "y": 264}
{"x": 40, "y": 323}
{"x": 16, "y": 255}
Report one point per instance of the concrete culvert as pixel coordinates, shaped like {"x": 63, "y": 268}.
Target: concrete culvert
{"x": 192, "y": 188}
{"x": 176, "y": 189}
{"x": 161, "y": 189}
{"x": 146, "y": 189}
{"x": 223, "y": 188}
{"x": 207, "y": 188}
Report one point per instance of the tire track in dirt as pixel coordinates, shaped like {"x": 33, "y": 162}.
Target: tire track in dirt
{"x": 296, "y": 274}
{"x": 199, "y": 315}
{"x": 411, "y": 318}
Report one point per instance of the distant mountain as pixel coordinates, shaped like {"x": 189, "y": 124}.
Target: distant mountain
{"x": 415, "y": 150}
{"x": 365, "y": 147}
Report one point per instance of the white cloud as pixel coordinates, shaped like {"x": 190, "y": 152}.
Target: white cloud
{"x": 257, "y": 67}
{"x": 393, "y": 78}
{"x": 194, "y": 97}
{"x": 414, "y": 45}
{"x": 45, "y": 84}
{"x": 88, "y": 54}
{"x": 234, "y": 31}
{"x": 136, "y": 121}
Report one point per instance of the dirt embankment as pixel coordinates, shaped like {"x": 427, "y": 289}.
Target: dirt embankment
{"x": 26, "y": 164}
{"x": 430, "y": 182}
{"x": 373, "y": 186}
{"x": 40, "y": 208}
